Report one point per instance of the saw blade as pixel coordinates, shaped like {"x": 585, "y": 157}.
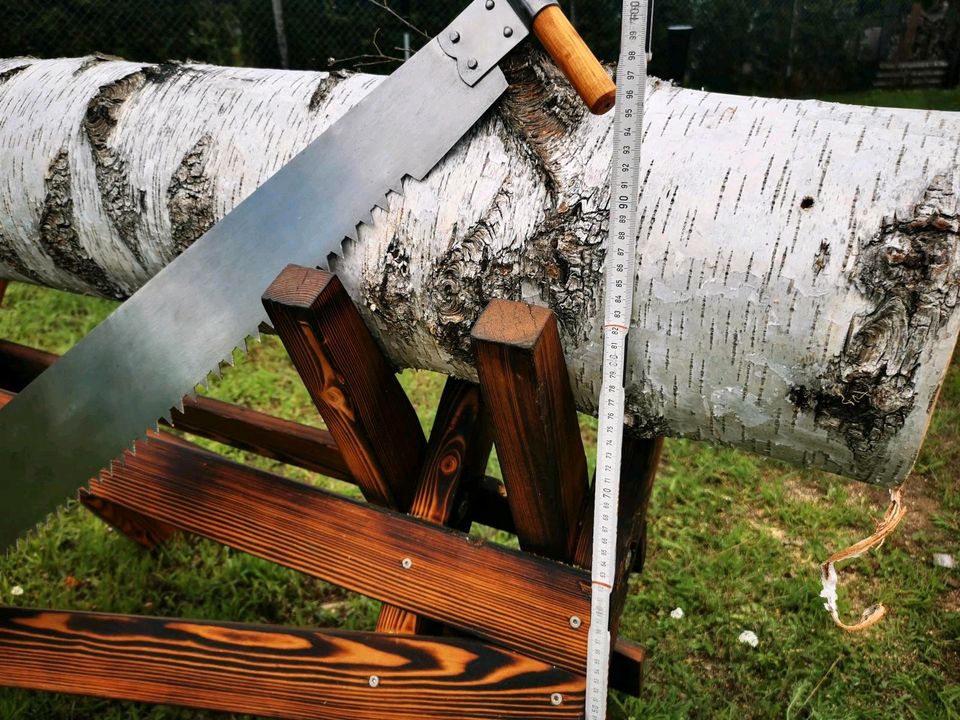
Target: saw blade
{"x": 105, "y": 393}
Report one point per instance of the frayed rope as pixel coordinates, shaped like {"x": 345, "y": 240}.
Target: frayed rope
{"x": 828, "y": 573}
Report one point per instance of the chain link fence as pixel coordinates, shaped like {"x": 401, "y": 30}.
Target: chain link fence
{"x": 769, "y": 47}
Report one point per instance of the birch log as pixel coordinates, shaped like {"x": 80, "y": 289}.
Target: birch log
{"x": 798, "y": 268}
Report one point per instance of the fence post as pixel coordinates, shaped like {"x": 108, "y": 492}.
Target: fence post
{"x": 281, "y": 34}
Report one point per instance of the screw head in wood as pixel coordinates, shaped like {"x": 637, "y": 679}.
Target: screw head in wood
{"x": 556, "y": 699}
{"x": 454, "y": 37}
{"x": 472, "y": 63}
{"x": 406, "y": 563}
{"x": 575, "y": 622}
{"x": 374, "y": 681}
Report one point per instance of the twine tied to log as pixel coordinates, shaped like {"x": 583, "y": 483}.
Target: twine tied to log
{"x": 828, "y": 574}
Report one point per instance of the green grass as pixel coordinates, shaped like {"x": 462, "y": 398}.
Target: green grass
{"x": 735, "y": 541}
{"x": 928, "y": 99}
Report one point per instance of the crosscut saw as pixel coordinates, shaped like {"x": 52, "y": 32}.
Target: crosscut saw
{"x": 139, "y": 364}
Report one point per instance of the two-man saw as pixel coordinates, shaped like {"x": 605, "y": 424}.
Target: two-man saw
{"x": 116, "y": 383}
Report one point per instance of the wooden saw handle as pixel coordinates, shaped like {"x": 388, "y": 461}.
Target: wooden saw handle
{"x": 575, "y": 59}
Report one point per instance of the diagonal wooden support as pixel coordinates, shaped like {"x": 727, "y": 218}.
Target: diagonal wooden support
{"x": 525, "y": 384}
{"x": 459, "y": 446}
{"x": 279, "y": 672}
{"x": 355, "y": 390}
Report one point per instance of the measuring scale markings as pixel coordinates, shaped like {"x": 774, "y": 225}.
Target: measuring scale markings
{"x": 618, "y": 307}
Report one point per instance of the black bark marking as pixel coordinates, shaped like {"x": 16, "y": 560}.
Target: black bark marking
{"x": 910, "y": 272}
{"x": 10, "y": 258}
{"x": 7, "y": 74}
{"x": 324, "y": 88}
{"x": 822, "y": 257}
{"x": 190, "y": 197}
{"x": 457, "y": 291}
{"x": 94, "y": 60}
{"x": 539, "y": 109}
{"x": 58, "y": 233}
{"x": 121, "y": 201}
{"x": 563, "y": 260}
{"x": 392, "y": 291}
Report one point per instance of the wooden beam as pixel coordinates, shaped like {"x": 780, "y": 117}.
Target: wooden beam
{"x": 626, "y": 667}
{"x": 355, "y": 390}
{"x": 289, "y": 442}
{"x": 639, "y": 461}
{"x": 3, "y": 289}
{"x": 141, "y": 529}
{"x": 459, "y": 446}
{"x": 527, "y": 390}
{"x": 20, "y": 364}
{"x": 278, "y": 672}
{"x": 507, "y": 597}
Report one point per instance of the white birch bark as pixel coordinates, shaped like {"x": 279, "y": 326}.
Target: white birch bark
{"x": 798, "y": 268}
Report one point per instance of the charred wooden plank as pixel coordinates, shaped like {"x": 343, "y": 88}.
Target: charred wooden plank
{"x": 501, "y": 595}
{"x": 140, "y": 528}
{"x": 626, "y": 667}
{"x": 459, "y": 446}
{"x": 289, "y": 442}
{"x": 527, "y": 389}
{"x": 350, "y": 381}
{"x": 279, "y": 672}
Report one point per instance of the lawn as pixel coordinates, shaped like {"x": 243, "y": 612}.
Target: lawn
{"x": 927, "y": 98}
{"x": 735, "y": 542}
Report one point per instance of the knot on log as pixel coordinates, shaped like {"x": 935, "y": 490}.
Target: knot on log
{"x": 910, "y": 272}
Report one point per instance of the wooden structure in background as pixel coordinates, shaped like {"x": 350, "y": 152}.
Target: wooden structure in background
{"x": 468, "y": 629}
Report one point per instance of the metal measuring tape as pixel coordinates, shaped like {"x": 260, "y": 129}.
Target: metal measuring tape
{"x": 619, "y": 276}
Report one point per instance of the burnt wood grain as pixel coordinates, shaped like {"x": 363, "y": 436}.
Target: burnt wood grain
{"x": 458, "y": 449}
{"x": 351, "y": 383}
{"x": 143, "y": 530}
{"x": 278, "y": 672}
{"x": 526, "y": 387}
{"x": 501, "y": 595}
{"x": 283, "y": 440}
